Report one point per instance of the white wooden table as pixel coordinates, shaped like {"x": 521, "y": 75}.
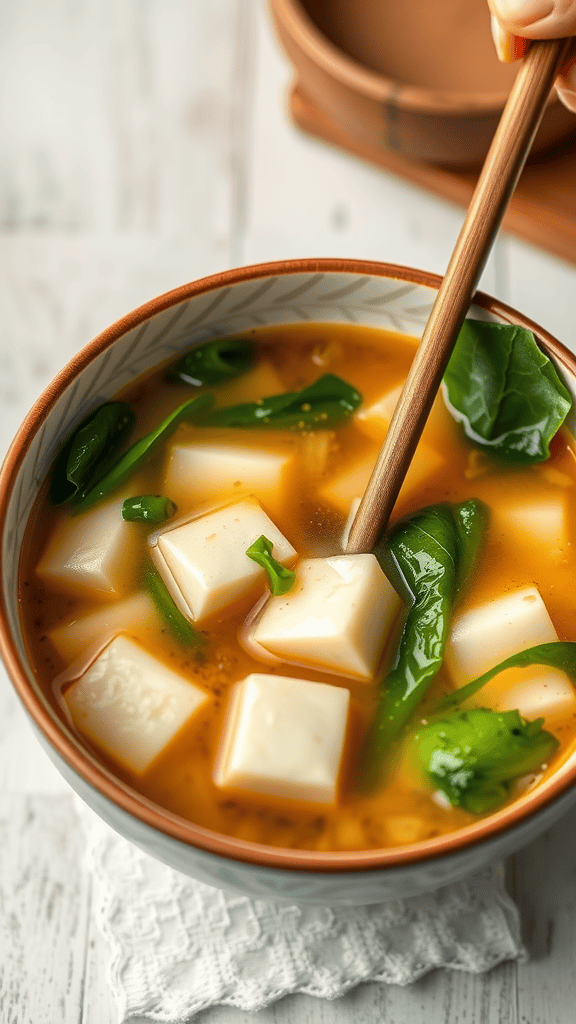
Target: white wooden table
{"x": 142, "y": 144}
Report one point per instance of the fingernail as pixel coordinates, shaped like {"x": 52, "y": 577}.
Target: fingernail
{"x": 508, "y": 47}
{"x": 522, "y": 12}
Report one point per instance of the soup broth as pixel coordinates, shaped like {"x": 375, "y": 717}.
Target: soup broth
{"x": 310, "y": 509}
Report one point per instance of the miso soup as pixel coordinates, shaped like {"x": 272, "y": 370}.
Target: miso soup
{"x": 244, "y": 698}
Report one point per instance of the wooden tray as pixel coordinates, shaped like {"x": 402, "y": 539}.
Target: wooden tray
{"x": 542, "y": 210}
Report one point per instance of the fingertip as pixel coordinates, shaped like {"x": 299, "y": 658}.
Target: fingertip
{"x": 509, "y": 47}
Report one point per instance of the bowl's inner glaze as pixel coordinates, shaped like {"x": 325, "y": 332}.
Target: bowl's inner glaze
{"x": 444, "y": 45}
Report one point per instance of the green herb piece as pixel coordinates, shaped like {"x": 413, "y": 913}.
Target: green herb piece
{"x": 474, "y": 756}
{"x": 148, "y": 508}
{"x": 280, "y": 579}
{"x": 139, "y": 452}
{"x": 87, "y": 454}
{"x": 215, "y": 362}
{"x": 505, "y": 392}
{"x": 428, "y": 557}
{"x": 177, "y": 624}
{"x": 327, "y": 402}
{"x": 471, "y": 521}
{"x": 558, "y": 655}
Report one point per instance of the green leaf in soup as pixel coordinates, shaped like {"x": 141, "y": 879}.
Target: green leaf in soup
{"x": 176, "y": 623}
{"x": 471, "y": 522}
{"x": 215, "y": 362}
{"x": 423, "y": 553}
{"x": 505, "y": 392}
{"x": 327, "y": 402}
{"x": 148, "y": 508}
{"x": 474, "y": 756}
{"x": 88, "y": 453}
{"x": 142, "y": 450}
{"x": 428, "y": 557}
{"x": 559, "y": 654}
{"x": 280, "y": 579}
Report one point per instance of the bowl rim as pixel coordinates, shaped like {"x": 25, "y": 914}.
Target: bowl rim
{"x": 96, "y": 774}
{"x": 339, "y": 65}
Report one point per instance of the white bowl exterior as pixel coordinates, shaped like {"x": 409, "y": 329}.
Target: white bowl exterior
{"x": 364, "y": 299}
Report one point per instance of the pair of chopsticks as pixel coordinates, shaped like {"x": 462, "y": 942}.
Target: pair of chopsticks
{"x": 498, "y": 178}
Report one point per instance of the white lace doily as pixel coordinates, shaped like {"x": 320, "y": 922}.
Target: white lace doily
{"x": 178, "y": 946}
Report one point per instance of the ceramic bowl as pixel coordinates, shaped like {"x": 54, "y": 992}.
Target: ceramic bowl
{"x": 418, "y": 78}
{"x": 374, "y": 294}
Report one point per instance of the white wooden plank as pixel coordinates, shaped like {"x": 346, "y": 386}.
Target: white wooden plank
{"x": 309, "y": 199}
{"x": 545, "y": 883}
{"x": 44, "y": 901}
{"x": 544, "y": 288}
{"x": 117, "y": 115}
{"x": 441, "y": 998}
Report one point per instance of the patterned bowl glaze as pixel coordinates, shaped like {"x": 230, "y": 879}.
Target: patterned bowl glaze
{"x": 373, "y": 294}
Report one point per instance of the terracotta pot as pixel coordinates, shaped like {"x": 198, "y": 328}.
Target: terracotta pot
{"x": 374, "y": 294}
{"x": 342, "y": 52}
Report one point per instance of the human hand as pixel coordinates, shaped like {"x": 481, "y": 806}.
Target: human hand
{"x": 516, "y": 22}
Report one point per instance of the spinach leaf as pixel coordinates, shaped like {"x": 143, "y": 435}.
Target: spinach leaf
{"x": 428, "y": 557}
{"x": 148, "y": 508}
{"x": 280, "y": 579}
{"x": 504, "y": 391}
{"x": 327, "y": 402}
{"x": 87, "y": 454}
{"x": 141, "y": 451}
{"x": 471, "y": 522}
{"x": 557, "y": 655}
{"x": 474, "y": 756}
{"x": 215, "y": 362}
{"x": 177, "y": 624}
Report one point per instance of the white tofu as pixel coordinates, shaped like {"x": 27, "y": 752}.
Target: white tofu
{"x": 336, "y": 619}
{"x": 204, "y": 562}
{"x": 486, "y": 635}
{"x": 130, "y": 704}
{"x": 199, "y": 473}
{"x": 284, "y": 737}
{"x": 534, "y": 523}
{"x": 135, "y": 615}
{"x": 260, "y": 382}
{"x": 342, "y": 489}
{"x": 374, "y": 419}
{"x": 92, "y": 552}
{"x": 537, "y": 692}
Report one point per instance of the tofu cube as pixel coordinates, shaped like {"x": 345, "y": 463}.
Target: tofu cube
{"x": 336, "y": 619}
{"x": 486, "y": 635}
{"x": 130, "y": 704}
{"x": 260, "y": 382}
{"x": 342, "y": 489}
{"x": 284, "y": 737}
{"x": 374, "y": 419}
{"x": 199, "y": 473}
{"x": 204, "y": 562}
{"x": 134, "y": 615}
{"x": 537, "y": 692}
{"x": 533, "y": 524}
{"x": 92, "y": 552}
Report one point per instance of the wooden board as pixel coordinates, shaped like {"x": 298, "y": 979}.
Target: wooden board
{"x": 542, "y": 210}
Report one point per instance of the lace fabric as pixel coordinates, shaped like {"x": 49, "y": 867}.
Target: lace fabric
{"x": 179, "y": 946}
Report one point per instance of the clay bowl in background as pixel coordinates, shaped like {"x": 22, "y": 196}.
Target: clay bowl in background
{"x": 419, "y": 77}
{"x": 372, "y": 294}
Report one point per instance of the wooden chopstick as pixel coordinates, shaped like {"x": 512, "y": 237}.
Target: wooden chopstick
{"x": 502, "y": 168}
